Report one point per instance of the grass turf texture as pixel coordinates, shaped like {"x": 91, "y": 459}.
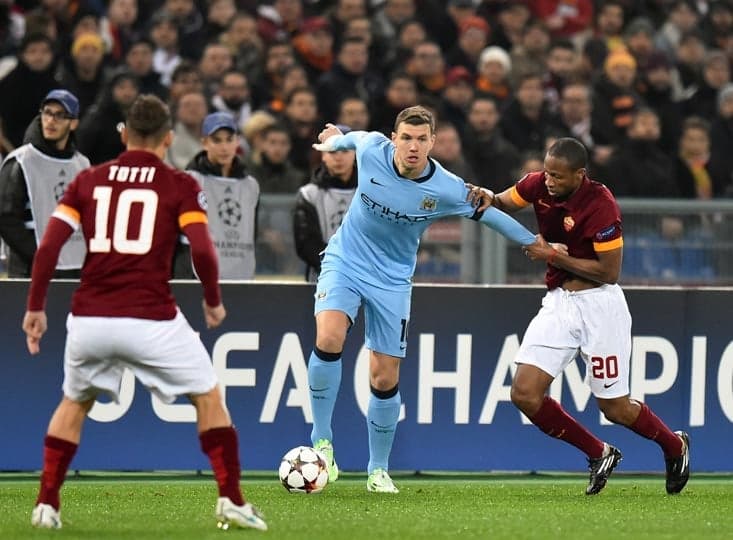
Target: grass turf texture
{"x": 498, "y": 507}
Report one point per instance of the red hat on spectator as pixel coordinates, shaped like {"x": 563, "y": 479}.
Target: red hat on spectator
{"x": 458, "y": 74}
{"x": 315, "y": 24}
{"x": 474, "y": 21}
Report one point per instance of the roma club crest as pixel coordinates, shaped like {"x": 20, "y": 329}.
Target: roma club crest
{"x": 568, "y": 223}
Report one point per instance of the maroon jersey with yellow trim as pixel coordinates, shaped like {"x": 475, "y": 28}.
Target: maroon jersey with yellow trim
{"x": 588, "y": 222}
{"x": 131, "y": 210}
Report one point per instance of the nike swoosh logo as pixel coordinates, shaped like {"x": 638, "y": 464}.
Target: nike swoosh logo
{"x": 373, "y": 181}
{"x": 543, "y": 203}
{"x": 403, "y": 347}
{"x": 372, "y": 422}
{"x": 609, "y": 385}
{"x": 318, "y": 389}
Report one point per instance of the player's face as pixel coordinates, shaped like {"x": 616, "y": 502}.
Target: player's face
{"x": 412, "y": 146}
{"x": 56, "y": 122}
{"x": 221, "y": 146}
{"x": 561, "y": 179}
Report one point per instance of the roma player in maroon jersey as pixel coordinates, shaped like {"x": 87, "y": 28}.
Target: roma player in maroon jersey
{"x": 584, "y": 311}
{"x": 123, "y": 315}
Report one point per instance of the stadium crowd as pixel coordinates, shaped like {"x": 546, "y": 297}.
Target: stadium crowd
{"x": 645, "y": 84}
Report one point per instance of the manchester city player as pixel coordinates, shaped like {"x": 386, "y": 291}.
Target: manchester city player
{"x": 370, "y": 261}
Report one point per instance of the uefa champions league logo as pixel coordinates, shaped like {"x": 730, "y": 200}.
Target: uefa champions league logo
{"x": 58, "y": 190}
{"x": 230, "y": 212}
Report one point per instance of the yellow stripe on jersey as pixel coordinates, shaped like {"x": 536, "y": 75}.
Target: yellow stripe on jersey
{"x": 191, "y": 217}
{"x": 610, "y": 245}
{"x": 68, "y": 212}
{"x": 517, "y": 198}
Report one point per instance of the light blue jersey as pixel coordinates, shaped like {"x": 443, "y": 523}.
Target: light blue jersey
{"x": 379, "y": 237}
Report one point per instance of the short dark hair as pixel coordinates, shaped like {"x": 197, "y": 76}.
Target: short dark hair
{"x": 148, "y": 118}
{"x": 571, "y": 150}
{"x": 415, "y": 116}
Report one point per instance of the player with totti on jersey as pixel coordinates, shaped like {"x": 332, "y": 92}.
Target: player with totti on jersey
{"x": 583, "y": 312}
{"x": 123, "y": 315}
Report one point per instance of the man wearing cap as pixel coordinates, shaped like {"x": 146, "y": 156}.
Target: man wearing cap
{"x": 32, "y": 180}
{"x": 232, "y": 194}
{"x": 83, "y": 72}
{"x": 321, "y": 205}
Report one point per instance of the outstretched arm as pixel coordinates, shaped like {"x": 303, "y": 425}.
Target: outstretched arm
{"x": 331, "y": 139}
{"x": 506, "y": 225}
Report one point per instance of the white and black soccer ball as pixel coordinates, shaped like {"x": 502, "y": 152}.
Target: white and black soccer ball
{"x": 303, "y": 470}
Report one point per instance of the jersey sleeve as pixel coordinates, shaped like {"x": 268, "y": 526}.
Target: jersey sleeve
{"x": 192, "y": 205}
{"x": 605, "y": 225}
{"x": 68, "y": 209}
{"x": 527, "y": 189}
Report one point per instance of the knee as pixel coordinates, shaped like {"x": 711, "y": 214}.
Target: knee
{"x": 618, "y": 412}
{"x": 525, "y": 398}
{"x": 330, "y": 340}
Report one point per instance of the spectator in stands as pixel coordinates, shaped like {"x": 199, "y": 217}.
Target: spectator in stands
{"x": 98, "y": 134}
{"x": 390, "y": 16}
{"x": 492, "y": 158}
{"x": 512, "y": 25}
{"x": 682, "y": 17}
{"x": 280, "y": 21}
{"x": 639, "y": 168}
{"x": 139, "y": 60}
{"x": 689, "y": 62}
{"x": 321, "y": 204}
{"x": 254, "y": 128}
{"x": 314, "y": 47}
{"x": 361, "y": 28}
{"x": 457, "y": 97}
{"x": 191, "y": 27}
{"x": 343, "y": 12}
{"x": 189, "y": 116}
{"x": 219, "y": 15}
{"x": 427, "y": 67}
{"x": 656, "y": 88}
{"x": 350, "y": 75}
{"x": 397, "y": 54}
{"x": 530, "y": 52}
{"x": 267, "y": 89}
{"x": 184, "y": 79}
{"x": 562, "y": 63}
{"x": 526, "y": 120}
{"x": 25, "y": 86}
{"x": 233, "y": 97}
{"x": 715, "y": 75}
{"x": 494, "y": 70}
{"x": 718, "y": 24}
{"x": 610, "y": 17}
{"x": 473, "y": 37}
{"x": 292, "y": 76}
{"x": 692, "y": 166}
{"x": 721, "y": 142}
{"x": 614, "y": 99}
{"x": 215, "y": 61}
{"x": 301, "y": 118}
{"x": 447, "y": 149}
{"x": 639, "y": 39}
{"x": 531, "y": 161}
{"x": 270, "y": 163}
{"x": 564, "y": 19}
{"x": 164, "y": 34}
{"x": 116, "y": 28}
{"x": 32, "y": 180}
{"x": 245, "y": 45}
{"x": 401, "y": 93}
{"x": 83, "y": 72}
{"x": 354, "y": 113}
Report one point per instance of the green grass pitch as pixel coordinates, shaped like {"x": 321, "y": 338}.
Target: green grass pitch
{"x": 180, "y": 507}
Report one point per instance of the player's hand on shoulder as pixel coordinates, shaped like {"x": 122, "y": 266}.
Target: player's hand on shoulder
{"x": 34, "y": 326}
{"x": 214, "y": 315}
{"x": 479, "y": 197}
{"x": 325, "y": 140}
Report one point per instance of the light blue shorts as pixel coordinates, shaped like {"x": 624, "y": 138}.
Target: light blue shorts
{"x": 386, "y": 312}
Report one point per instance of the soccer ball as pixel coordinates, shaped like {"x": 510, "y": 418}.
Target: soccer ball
{"x": 303, "y": 470}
